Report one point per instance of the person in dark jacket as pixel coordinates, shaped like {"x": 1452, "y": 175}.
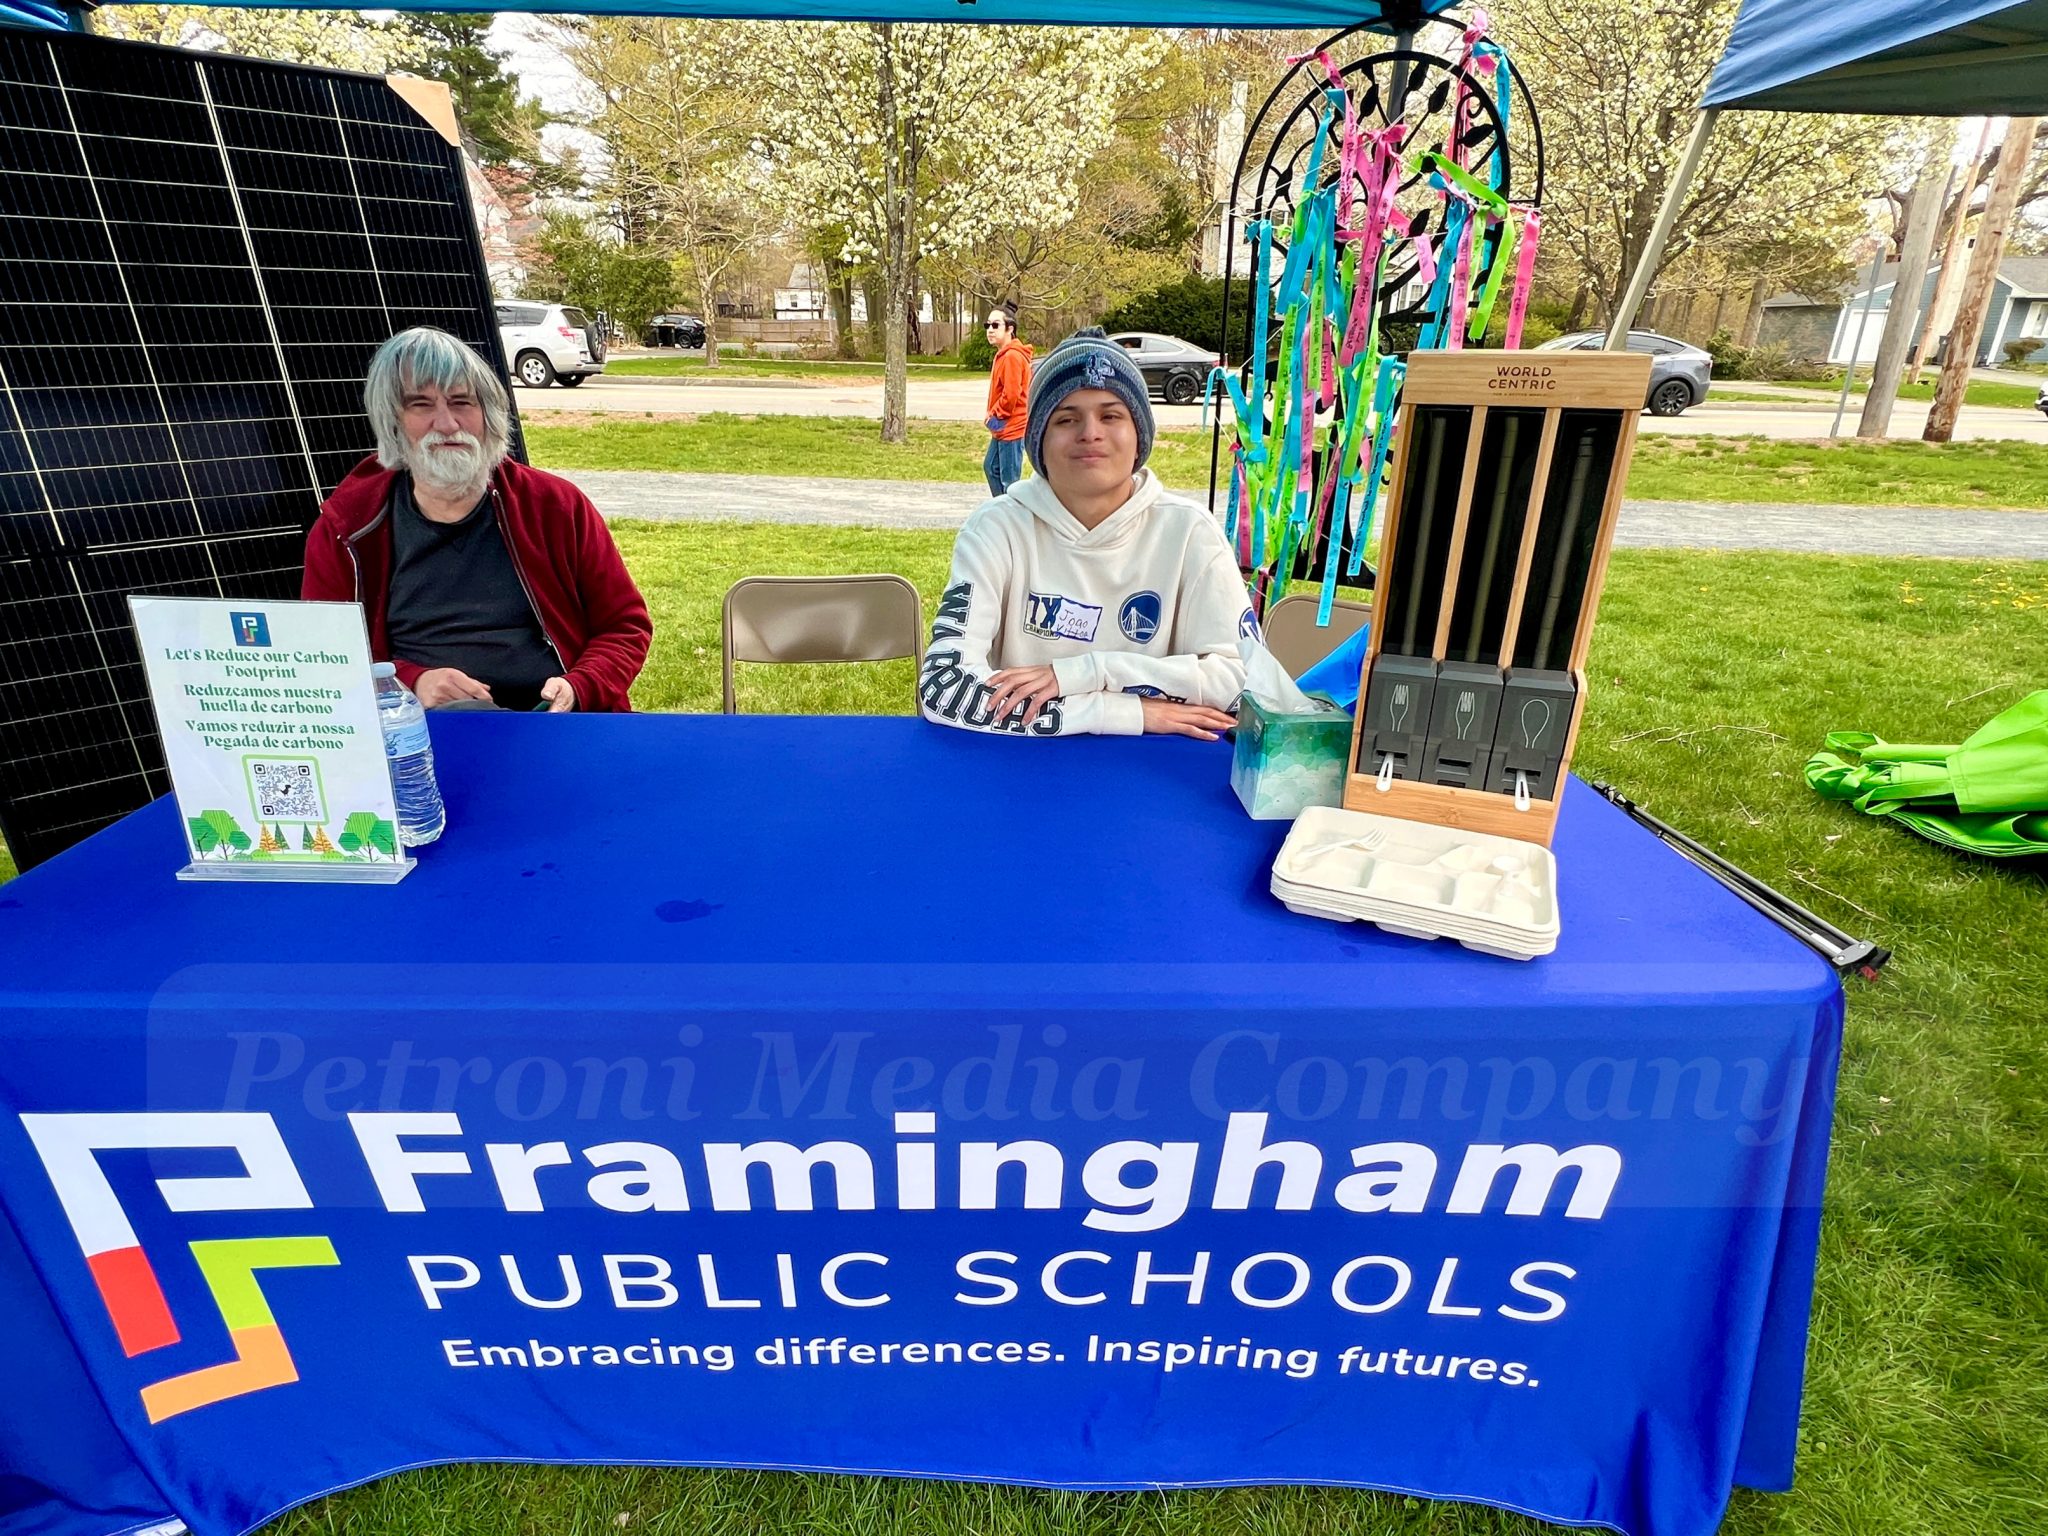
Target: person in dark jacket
{"x": 485, "y": 582}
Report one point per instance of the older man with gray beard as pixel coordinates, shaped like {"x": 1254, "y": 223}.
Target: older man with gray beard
{"x": 487, "y": 583}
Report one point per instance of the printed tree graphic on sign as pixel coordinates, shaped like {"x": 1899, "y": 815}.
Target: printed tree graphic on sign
{"x": 269, "y": 843}
{"x": 367, "y": 833}
{"x": 306, "y": 840}
{"x": 218, "y": 832}
{"x": 318, "y": 842}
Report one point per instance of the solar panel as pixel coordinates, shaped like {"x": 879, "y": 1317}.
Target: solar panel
{"x": 198, "y": 254}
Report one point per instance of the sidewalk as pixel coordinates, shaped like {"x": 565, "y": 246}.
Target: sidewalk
{"x": 1644, "y": 524}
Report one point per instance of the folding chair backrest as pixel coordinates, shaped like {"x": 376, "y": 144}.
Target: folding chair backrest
{"x": 1295, "y": 640}
{"x": 820, "y": 618}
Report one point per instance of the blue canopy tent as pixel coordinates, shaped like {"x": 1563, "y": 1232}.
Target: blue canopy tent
{"x": 1268, "y": 14}
{"x": 1915, "y": 58}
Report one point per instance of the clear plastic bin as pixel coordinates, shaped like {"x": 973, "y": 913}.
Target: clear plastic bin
{"x": 1286, "y": 763}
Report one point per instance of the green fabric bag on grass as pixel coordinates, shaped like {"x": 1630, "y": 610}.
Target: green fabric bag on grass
{"x": 1988, "y": 796}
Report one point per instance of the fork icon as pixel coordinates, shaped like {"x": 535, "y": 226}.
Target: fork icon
{"x": 1397, "y": 711}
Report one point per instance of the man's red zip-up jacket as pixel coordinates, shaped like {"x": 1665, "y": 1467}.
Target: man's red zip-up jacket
{"x": 590, "y": 611}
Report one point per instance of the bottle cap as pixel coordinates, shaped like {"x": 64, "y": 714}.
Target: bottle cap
{"x": 383, "y": 669}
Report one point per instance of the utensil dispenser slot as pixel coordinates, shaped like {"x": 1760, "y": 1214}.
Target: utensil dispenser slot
{"x": 1428, "y": 518}
{"x": 1567, "y": 538}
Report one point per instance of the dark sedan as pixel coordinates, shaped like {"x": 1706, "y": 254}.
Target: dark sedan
{"x": 673, "y": 331}
{"x": 1175, "y": 370}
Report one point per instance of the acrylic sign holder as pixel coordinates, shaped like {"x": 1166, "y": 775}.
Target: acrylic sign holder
{"x": 1506, "y": 488}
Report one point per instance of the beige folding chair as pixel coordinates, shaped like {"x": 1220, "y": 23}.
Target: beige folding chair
{"x": 820, "y": 618}
{"x": 1295, "y": 640}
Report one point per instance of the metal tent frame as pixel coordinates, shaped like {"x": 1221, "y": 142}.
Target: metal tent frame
{"x": 1961, "y": 58}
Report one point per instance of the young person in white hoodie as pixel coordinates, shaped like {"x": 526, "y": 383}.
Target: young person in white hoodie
{"x": 1088, "y": 599}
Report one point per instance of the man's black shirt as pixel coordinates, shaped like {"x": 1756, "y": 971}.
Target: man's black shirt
{"x": 456, "y": 601}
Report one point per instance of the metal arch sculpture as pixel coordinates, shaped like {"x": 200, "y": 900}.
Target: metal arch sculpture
{"x": 1425, "y": 80}
{"x": 1435, "y": 174}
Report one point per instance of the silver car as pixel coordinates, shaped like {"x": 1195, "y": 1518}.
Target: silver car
{"x": 1679, "y": 371}
{"x": 549, "y": 343}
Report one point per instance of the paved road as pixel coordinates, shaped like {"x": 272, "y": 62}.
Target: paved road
{"x": 1644, "y": 524}
{"x": 964, "y": 400}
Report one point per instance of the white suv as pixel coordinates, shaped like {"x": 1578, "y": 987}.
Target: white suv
{"x": 546, "y": 343}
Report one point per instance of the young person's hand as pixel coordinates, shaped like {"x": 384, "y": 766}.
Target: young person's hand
{"x": 448, "y": 685}
{"x": 1163, "y": 717}
{"x": 1033, "y": 687}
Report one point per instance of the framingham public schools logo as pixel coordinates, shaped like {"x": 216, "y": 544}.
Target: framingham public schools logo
{"x": 1396, "y": 1178}
{"x": 127, "y": 1283}
{"x": 250, "y": 628}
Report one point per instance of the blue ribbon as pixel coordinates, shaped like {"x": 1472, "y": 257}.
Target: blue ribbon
{"x": 1385, "y": 388}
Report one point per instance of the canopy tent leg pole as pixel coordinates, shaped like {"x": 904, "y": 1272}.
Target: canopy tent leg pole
{"x": 1660, "y": 232}
{"x": 1856, "y": 346}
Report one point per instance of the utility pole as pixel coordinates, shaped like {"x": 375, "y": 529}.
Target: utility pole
{"x": 1944, "y": 285}
{"x": 1985, "y": 257}
{"x": 1922, "y": 214}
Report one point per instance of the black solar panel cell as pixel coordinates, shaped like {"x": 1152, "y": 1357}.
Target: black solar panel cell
{"x": 198, "y": 255}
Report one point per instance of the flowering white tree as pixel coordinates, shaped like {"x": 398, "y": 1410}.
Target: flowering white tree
{"x": 338, "y": 39}
{"x": 1617, "y": 83}
{"x": 923, "y": 138}
{"x": 678, "y": 144}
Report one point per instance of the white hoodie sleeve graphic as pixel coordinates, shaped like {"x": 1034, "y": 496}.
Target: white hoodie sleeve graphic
{"x": 953, "y": 688}
{"x": 1203, "y": 667}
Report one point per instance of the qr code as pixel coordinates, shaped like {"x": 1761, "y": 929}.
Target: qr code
{"x": 286, "y": 790}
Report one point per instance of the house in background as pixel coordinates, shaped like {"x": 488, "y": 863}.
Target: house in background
{"x": 1807, "y": 326}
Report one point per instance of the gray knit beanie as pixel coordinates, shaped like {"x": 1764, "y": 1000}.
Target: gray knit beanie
{"x": 1088, "y": 359}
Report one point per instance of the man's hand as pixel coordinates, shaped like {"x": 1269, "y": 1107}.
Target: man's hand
{"x": 1163, "y": 717}
{"x": 995, "y": 424}
{"x": 448, "y": 685}
{"x": 1033, "y": 687}
{"x": 559, "y": 694}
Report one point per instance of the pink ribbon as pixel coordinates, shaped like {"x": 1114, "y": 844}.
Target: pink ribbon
{"x": 1525, "y": 278}
{"x": 1244, "y": 513}
{"x": 1475, "y": 34}
{"x": 1425, "y": 260}
{"x": 1461, "y": 281}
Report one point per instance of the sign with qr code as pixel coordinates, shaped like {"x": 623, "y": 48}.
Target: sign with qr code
{"x": 270, "y": 731}
{"x": 286, "y": 788}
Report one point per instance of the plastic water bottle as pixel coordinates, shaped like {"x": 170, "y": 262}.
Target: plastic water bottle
{"x": 411, "y": 754}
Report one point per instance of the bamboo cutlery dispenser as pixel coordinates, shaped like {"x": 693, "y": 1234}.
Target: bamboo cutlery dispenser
{"x": 1507, "y": 484}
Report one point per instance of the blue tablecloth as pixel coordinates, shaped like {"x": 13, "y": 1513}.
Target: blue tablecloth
{"x": 857, "y": 1094}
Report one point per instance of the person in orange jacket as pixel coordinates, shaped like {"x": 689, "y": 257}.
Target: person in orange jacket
{"x": 1009, "y": 386}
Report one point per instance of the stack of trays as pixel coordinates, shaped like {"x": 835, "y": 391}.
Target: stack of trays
{"x": 1497, "y": 895}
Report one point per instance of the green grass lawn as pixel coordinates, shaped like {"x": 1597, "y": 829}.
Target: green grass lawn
{"x": 1977, "y": 392}
{"x": 1740, "y": 469}
{"x": 1713, "y": 676}
{"x": 1983, "y": 474}
{"x": 693, "y": 366}
{"x": 826, "y": 447}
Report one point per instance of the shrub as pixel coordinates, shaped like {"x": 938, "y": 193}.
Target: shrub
{"x": 2019, "y": 351}
{"x": 1190, "y": 308}
{"x": 977, "y": 353}
{"x": 1764, "y": 364}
